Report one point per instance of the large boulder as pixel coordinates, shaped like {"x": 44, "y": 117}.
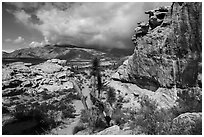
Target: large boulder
{"x": 166, "y": 98}
{"x": 20, "y": 67}
{"x": 114, "y": 130}
{"x": 48, "y": 67}
{"x": 187, "y": 123}
{"x": 121, "y": 73}
{"x": 56, "y": 87}
{"x": 7, "y": 73}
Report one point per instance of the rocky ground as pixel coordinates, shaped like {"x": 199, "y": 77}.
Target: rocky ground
{"x": 25, "y": 86}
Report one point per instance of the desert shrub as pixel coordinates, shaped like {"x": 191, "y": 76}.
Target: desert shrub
{"x": 111, "y": 94}
{"x": 190, "y": 100}
{"x": 4, "y": 110}
{"x": 94, "y": 119}
{"x": 149, "y": 119}
{"x": 46, "y": 119}
{"x": 48, "y": 115}
{"x": 152, "y": 120}
{"x": 67, "y": 110}
{"x": 119, "y": 115}
{"x": 197, "y": 128}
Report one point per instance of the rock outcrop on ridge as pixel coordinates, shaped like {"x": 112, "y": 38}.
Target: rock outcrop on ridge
{"x": 169, "y": 53}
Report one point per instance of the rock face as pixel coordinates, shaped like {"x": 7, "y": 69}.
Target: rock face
{"x": 166, "y": 66}
{"x": 170, "y": 52}
{"x": 166, "y": 98}
{"x": 141, "y": 29}
{"x": 156, "y": 16}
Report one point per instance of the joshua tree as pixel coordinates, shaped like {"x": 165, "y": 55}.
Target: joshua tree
{"x": 104, "y": 108}
{"x": 96, "y": 77}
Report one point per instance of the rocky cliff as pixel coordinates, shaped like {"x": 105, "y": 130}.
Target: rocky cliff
{"x": 167, "y": 49}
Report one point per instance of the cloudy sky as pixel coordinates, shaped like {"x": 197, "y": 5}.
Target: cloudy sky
{"x": 106, "y": 25}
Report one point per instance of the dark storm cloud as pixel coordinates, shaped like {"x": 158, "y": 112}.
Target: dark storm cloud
{"x": 89, "y": 24}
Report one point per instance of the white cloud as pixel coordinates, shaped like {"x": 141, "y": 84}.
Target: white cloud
{"x": 18, "y": 40}
{"x": 22, "y": 17}
{"x": 15, "y": 41}
{"x": 101, "y": 24}
{"x": 8, "y": 40}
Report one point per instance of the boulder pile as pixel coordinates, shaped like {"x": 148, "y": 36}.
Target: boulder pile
{"x": 25, "y": 87}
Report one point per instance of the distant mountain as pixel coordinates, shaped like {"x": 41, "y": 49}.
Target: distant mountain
{"x": 121, "y": 52}
{"x": 4, "y": 53}
{"x": 67, "y": 52}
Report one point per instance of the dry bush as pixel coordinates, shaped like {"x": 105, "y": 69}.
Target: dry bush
{"x": 149, "y": 119}
{"x": 190, "y": 100}
{"x": 94, "y": 119}
{"x": 153, "y": 121}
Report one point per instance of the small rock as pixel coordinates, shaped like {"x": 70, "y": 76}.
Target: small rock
{"x": 38, "y": 77}
{"x": 26, "y": 83}
{"x": 62, "y": 62}
{"x": 114, "y": 130}
{"x": 61, "y": 75}
{"x": 28, "y": 64}
{"x": 54, "y": 60}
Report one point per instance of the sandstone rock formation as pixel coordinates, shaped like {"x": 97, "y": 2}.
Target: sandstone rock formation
{"x": 157, "y": 16}
{"x": 170, "y": 53}
{"x": 166, "y": 66}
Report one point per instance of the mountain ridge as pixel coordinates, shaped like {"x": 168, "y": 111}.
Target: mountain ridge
{"x": 67, "y": 52}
